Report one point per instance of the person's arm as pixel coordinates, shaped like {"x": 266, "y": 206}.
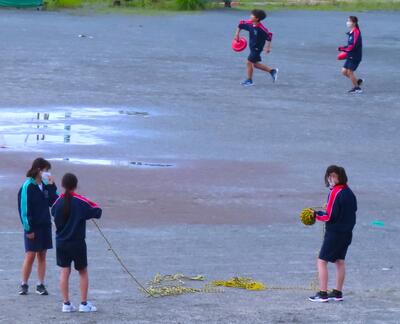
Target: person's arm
{"x": 29, "y": 214}
{"x": 92, "y": 210}
{"x": 332, "y": 208}
{"x": 267, "y": 47}
{"x": 52, "y": 189}
{"x": 329, "y": 216}
{"x": 350, "y": 47}
{"x": 243, "y": 24}
{"x": 268, "y": 38}
{"x": 237, "y": 34}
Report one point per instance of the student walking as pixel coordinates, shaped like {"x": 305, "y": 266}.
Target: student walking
{"x": 354, "y": 54}
{"x": 71, "y": 211}
{"x": 35, "y": 197}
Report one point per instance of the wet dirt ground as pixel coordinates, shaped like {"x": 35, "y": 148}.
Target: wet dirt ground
{"x": 195, "y": 173}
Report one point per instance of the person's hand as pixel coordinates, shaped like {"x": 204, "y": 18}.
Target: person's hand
{"x": 51, "y": 180}
{"x": 31, "y": 236}
{"x": 237, "y": 37}
{"x": 267, "y": 50}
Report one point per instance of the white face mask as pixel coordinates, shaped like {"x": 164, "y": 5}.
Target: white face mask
{"x": 45, "y": 176}
{"x": 349, "y": 24}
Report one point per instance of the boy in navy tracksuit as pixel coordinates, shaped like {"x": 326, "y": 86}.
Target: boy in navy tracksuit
{"x": 354, "y": 53}
{"x": 71, "y": 211}
{"x": 259, "y": 35}
{"x": 35, "y": 197}
{"x": 340, "y": 219}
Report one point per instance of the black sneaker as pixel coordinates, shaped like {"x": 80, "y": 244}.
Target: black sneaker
{"x": 360, "y": 82}
{"x": 355, "y": 90}
{"x": 23, "y": 289}
{"x": 274, "y": 74}
{"x": 320, "y": 297}
{"x": 335, "y": 295}
{"x": 41, "y": 290}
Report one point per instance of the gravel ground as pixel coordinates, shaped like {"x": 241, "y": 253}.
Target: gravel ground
{"x": 196, "y": 174}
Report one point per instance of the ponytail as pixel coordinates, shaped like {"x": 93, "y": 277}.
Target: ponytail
{"x": 67, "y": 205}
{"x": 69, "y": 183}
{"x": 354, "y": 20}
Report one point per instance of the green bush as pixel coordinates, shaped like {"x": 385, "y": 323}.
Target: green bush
{"x": 65, "y": 3}
{"x": 190, "y": 4}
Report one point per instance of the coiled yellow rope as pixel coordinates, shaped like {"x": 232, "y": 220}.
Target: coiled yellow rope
{"x": 240, "y": 282}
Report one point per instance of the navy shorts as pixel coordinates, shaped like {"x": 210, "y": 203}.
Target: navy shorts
{"x": 335, "y": 246}
{"x": 351, "y": 64}
{"x": 72, "y": 251}
{"x": 43, "y": 239}
{"x": 255, "y": 56}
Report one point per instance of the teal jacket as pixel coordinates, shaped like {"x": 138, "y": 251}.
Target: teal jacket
{"x": 34, "y": 203}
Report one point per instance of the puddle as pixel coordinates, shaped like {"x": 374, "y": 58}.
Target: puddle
{"x": 65, "y": 125}
{"x": 21, "y": 129}
{"x": 105, "y": 162}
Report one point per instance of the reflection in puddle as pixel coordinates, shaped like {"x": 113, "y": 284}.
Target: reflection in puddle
{"x": 20, "y": 129}
{"x": 25, "y": 129}
{"x": 113, "y": 163}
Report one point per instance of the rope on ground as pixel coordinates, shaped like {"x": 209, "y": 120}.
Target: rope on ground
{"x": 110, "y": 248}
{"x": 174, "y": 285}
{"x": 240, "y": 282}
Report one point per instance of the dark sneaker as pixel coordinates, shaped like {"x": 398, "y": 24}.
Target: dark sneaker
{"x": 320, "y": 297}
{"x": 23, "y": 289}
{"x": 41, "y": 290}
{"x": 335, "y": 295}
{"x": 360, "y": 82}
{"x": 355, "y": 90}
{"x": 274, "y": 74}
{"x": 247, "y": 83}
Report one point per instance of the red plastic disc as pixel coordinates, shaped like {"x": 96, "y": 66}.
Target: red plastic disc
{"x": 239, "y": 45}
{"x": 342, "y": 56}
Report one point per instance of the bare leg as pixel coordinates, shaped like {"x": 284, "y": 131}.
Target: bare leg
{"x": 64, "y": 283}
{"x": 27, "y": 266}
{"x": 340, "y": 274}
{"x": 84, "y": 284}
{"x": 41, "y": 257}
{"x": 262, "y": 67}
{"x": 352, "y": 77}
{"x": 250, "y": 70}
{"x": 323, "y": 274}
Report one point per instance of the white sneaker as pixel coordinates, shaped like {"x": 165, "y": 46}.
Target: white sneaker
{"x": 68, "y": 308}
{"x": 87, "y": 308}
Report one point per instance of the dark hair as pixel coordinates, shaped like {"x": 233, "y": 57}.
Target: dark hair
{"x": 259, "y": 14}
{"x": 69, "y": 183}
{"x": 354, "y": 20}
{"x": 341, "y": 173}
{"x": 38, "y": 165}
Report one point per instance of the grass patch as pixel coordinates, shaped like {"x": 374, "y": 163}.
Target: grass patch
{"x": 327, "y": 5}
{"x": 129, "y": 6}
{"x": 165, "y": 6}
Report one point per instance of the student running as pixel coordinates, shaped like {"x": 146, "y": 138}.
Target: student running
{"x": 354, "y": 54}
{"x": 259, "y": 39}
